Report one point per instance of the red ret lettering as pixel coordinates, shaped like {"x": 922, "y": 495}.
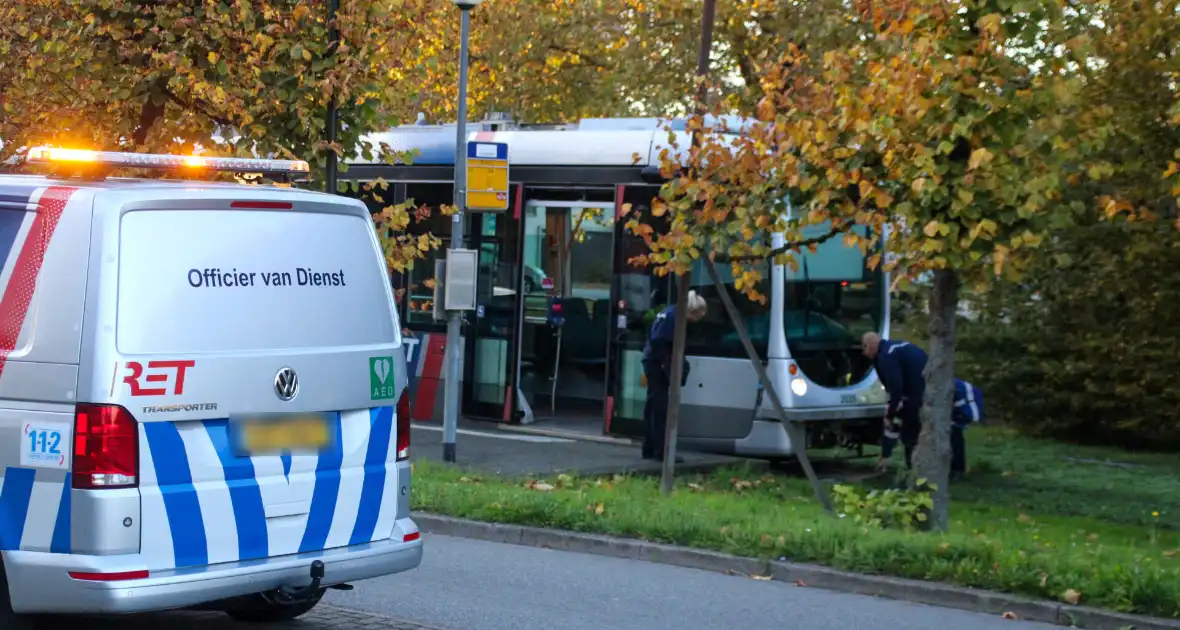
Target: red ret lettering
{"x": 171, "y": 367}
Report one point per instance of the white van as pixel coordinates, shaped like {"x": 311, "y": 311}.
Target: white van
{"x": 203, "y": 398}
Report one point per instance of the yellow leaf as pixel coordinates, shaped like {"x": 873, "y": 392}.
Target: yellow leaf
{"x": 1071, "y": 596}
{"x": 1010, "y": 615}
{"x": 931, "y": 229}
{"x": 212, "y": 57}
{"x": 978, "y": 157}
{"x": 918, "y": 184}
{"x": 306, "y": 55}
{"x": 991, "y": 23}
{"x": 760, "y": 577}
{"x": 998, "y": 258}
{"x": 599, "y": 509}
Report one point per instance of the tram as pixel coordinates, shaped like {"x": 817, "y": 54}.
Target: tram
{"x": 564, "y": 236}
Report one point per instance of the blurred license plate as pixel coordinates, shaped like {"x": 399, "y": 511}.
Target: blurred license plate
{"x": 277, "y": 433}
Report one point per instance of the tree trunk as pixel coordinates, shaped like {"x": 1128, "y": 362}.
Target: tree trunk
{"x": 672, "y": 429}
{"x": 932, "y": 460}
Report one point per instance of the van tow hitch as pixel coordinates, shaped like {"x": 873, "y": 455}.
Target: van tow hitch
{"x": 294, "y": 594}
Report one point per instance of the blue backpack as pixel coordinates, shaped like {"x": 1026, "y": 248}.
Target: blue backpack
{"x": 968, "y": 404}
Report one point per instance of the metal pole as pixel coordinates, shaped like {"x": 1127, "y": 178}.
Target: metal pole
{"x": 672, "y": 431}
{"x": 332, "y": 119}
{"x": 455, "y": 318}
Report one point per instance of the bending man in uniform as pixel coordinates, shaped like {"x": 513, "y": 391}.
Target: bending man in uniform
{"x": 657, "y": 368}
{"x": 900, "y": 366}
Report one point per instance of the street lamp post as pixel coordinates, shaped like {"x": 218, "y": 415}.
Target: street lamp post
{"x": 455, "y": 318}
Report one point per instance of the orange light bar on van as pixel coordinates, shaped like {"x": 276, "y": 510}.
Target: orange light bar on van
{"x": 53, "y": 155}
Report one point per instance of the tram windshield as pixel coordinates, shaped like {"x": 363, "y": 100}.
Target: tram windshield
{"x": 831, "y": 299}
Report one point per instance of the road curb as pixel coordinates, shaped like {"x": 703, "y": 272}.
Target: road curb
{"x": 916, "y": 591}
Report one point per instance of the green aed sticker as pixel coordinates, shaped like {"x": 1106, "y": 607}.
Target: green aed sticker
{"x": 381, "y": 377}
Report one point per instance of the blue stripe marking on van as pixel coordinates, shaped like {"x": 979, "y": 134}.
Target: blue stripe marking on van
{"x": 323, "y": 497}
{"x": 373, "y": 487}
{"x": 14, "y": 505}
{"x": 189, "y": 545}
{"x": 14, "y": 202}
{"x": 244, "y": 494}
{"x": 60, "y": 543}
{"x": 16, "y": 197}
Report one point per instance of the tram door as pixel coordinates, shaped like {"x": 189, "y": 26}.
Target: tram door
{"x": 640, "y": 295}
{"x": 491, "y": 332}
{"x": 568, "y": 254}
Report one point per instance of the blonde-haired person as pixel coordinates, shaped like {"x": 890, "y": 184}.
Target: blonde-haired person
{"x": 657, "y": 367}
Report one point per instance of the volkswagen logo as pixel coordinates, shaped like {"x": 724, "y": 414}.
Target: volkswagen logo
{"x": 286, "y": 384}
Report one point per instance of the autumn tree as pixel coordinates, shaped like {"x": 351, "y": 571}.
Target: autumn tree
{"x": 954, "y": 123}
{"x": 1092, "y": 320}
{"x": 240, "y": 77}
{"x": 546, "y": 61}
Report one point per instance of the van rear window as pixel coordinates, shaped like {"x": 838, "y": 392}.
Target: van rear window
{"x": 229, "y": 281}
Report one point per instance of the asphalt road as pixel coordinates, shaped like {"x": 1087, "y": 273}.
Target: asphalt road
{"x": 475, "y": 585}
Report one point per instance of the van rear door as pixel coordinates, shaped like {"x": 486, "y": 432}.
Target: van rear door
{"x": 253, "y": 337}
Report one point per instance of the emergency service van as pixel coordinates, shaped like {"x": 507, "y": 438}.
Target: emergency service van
{"x": 203, "y": 396}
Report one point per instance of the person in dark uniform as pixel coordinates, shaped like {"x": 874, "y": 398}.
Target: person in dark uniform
{"x": 968, "y": 410}
{"x": 657, "y": 369}
{"x": 900, "y": 366}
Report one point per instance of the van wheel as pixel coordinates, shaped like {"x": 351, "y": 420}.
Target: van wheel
{"x": 262, "y": 608}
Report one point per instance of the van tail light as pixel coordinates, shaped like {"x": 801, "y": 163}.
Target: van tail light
{"x": 106, "y": 448}
{"x": 110, "y": 577}
{"x": 403, "y": 426}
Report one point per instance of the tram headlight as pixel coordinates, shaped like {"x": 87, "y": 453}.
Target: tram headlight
{"x": 798, "y": 386}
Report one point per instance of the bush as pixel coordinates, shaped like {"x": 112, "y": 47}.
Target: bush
{"x": 1087, "y": 349}
{"x": 886, "y": 509}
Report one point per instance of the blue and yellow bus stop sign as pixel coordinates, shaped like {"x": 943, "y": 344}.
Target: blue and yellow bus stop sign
{"x": 487, "y": 176}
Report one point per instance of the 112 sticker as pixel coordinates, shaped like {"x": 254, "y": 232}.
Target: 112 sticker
{"x": 46, "y": 445}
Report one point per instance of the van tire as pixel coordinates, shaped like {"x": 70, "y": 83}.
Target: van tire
{"x": 263, "y": 609}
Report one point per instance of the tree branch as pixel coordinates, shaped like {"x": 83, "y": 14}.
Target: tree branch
{"x": 197, "y": 106}
{"x": 569, "y": 51}
{"x": 807, "y": 242}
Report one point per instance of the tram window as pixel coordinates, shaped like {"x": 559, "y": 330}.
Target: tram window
{"x": 590, "y": 254}
{"x": 419, "y": 280}
{"x": 716, "y": 335}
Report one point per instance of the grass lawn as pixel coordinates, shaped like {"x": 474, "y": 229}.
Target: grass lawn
{"x": 1032, "y": 517}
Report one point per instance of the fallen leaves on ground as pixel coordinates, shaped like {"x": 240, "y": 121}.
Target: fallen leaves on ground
{"x": 539, "y": 486}
{"x": 1010, "y": 615}
{"x": 760, "y": 577}
{"x": 1071, "y": 596}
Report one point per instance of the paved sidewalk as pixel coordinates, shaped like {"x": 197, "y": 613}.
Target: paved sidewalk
{"x": 485, "y": 448}
{"x": 322, "y": 617}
